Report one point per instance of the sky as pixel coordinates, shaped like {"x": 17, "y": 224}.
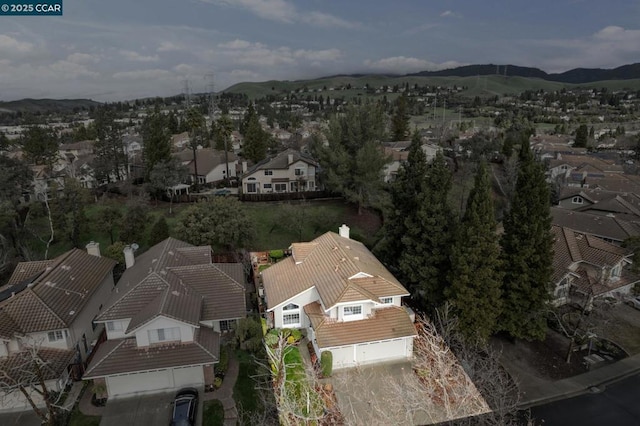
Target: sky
{"x": 111, "y": 50}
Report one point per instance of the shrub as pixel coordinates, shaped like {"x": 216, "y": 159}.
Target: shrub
{"x": 223, "y": 364}
{"x": 326, "y": 363}
{"x": 276, "y": 254}
{"x": 248, "y": 334}
{"x": 217, "y": 382}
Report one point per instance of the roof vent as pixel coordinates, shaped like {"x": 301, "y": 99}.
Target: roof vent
{"x": 72, "y": 312}
{"x": 175, "y": 293}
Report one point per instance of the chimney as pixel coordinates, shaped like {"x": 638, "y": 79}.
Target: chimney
{"x": 93, "y": 249}
{"x": 290, "y": 158}
{"x": 344, "y": 231}
{"x": 244, "y": 167}
{"x": 129, "y": 259}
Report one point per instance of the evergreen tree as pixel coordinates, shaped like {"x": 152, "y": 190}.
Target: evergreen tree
{"x": 156, "y": 140}
{"x": 582, "y": 134}
{"x": 405, "y": 193}
{"x": 424, "y": 261}
{"x": 527, "y": 252}
{"x": 476, "y": 277}
{"x": 40, "y": 145}
{"x": 255, "y": 140}
{"x": 110, "y": 161}
{"x": 68, "y": 210}
{"x": 134, "y": 223}
{"x": 159, "y": 231}
{"x": 400, "y": 119}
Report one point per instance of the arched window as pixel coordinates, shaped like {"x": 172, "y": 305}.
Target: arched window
{"x": 291, "y": 315}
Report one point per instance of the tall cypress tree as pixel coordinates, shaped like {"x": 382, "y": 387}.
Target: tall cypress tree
{"x": 424, "y": 260}
{"x": 405, "y": 192}
{"x": 527, "y": 252}
{"x": 476, "y": 277}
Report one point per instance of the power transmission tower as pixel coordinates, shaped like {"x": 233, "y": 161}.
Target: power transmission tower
{"x": 187, "y": 95}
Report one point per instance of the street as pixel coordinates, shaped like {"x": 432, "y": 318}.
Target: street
{"x": 616, "y": 405}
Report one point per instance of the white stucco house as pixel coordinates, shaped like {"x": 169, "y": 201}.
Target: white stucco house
{"x": 289, "y": 171}
{"x": 348, "y": 302}
{"x": 165, "y": 318}
{"x": 46, "y": 311}
{"x": 212, "y": 165}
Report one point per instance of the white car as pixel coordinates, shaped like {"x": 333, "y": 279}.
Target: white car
{"x": 635, "y": 302}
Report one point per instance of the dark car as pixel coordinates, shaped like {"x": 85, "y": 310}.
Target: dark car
{"x": 185, "y": 406}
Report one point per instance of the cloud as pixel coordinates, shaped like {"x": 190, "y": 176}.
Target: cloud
{"x": 235, "y": 44}
{"x": 259, "y": 55}
{"x": 449, "y": 14}
{"x": 137, "y": 57}
{"x": 286, "y": 12}
{"x": 319, "y": 55}
{"x": 142, "y": 74}
{"x": 403, "y": 64}
{"x": 244, "y": 75}
{"x": 167, "y": 46}
{"x": 10, "y": 45}
{"x": 83, "y": 58}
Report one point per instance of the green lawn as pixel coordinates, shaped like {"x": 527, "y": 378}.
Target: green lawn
{"x": 79, "y": 419}
{"x": 244, "y": 391}
{"x": 213, "y": 414}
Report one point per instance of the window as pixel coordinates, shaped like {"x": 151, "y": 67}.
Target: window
{"x": 311, "y": 184}
{"x": 268, "y": 172}
{"x": 352, "y": 310}
{"x": 291, "y": 315}
{"x": 386, "y": 300}
{"x": 164, "y": 335}
{"x": 251, "y": 187}
{"x": 615, "y": 271}
{"x": 267, "y": 186}
{"x": 114, "y": 326}
{"x": 577, "y": 200}
{"x": 299, "y": 172}
{"x": 281, "y": 187}
{"x": 54, "y": 336}
{"x": 226, "y": 325}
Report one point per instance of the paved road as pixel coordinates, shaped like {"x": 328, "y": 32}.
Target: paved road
{"x": 616, "y": 405}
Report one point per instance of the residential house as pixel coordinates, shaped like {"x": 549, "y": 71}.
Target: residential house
{"x": 165, "y": 318}
{"x": 48, "y": 307}
{"x": 289, "y": 171}
{"x": 586, "y": 267}
{"x": 622, "y": 205}
{"x": 397, "y": 158}
{"x": 212, "y": 164}
{"x": 70, "y": 151}
{"x": 608, "y": 228}
{"x": 180, "y": 141}
{"x": 348, "y": 302}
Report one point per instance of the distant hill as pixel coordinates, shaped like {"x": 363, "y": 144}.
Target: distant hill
{"x": 44, "y": 106}
{"x": 574, "y": 76}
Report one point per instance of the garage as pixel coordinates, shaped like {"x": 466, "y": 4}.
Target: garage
{"x": 366, "y": 353}
{"x": 154, "y": 381}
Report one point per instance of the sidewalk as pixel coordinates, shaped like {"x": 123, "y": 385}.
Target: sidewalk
{"x": 225, "y": 392}
{"x": 542, "y": 393}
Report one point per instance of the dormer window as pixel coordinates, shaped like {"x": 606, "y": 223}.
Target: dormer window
{"x": 268, "y": 172}
{"x": 55, "y": 336}
{"x": 616, "y": 271}
{"x": 352, "y": 312}
{"x": 577, "y": 200}
{"x": 386, "y": 300}
{"x": 299, "y": 172}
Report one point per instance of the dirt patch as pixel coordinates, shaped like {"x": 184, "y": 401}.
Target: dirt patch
{"x": 624, "y": 328}
{"x": 369, "y": 222}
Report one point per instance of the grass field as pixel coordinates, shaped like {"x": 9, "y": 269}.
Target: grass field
{"x": 244, "y": 391}
{"x": 213, "y": 413}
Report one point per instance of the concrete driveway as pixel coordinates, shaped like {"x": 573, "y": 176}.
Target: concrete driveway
{"x": 138, "y": 410}
{"x": 19, "y": 418}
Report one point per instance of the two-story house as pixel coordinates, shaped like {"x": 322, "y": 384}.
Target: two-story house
{"x": 348, "y": 302}
{"x": 165, "y": 318}
{"x": 212, "y": 164}
{"x": 46, "y": 310}
{"x": 289, "y": 171}
{"x": 586, "y": 267}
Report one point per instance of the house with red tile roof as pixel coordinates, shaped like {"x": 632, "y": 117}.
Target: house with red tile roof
{"x": 47, "y": 310}
{"x": 348, "y": 302}
{"x": 165, "y": 318}
{"x": 586, "y": 267}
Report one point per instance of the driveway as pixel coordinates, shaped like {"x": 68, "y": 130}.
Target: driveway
{"x": 138, "y": 410}
{"x": 19, "y": 418}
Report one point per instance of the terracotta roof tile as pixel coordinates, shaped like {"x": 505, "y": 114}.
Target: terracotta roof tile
{"x": 18, "y": 365}
{"x": 383, "y": 324}
{"x": 123, "y": 356}
{"x": 26, "y": 270}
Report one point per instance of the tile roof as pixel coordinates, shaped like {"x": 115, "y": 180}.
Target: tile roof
{"x": 585, "y": 256}
{"x": 55, "y": 296}
{"x": 281, "y": 161}
{"x": 207, "y": 159}
{"x": 177, "y": 280}
{"x": 124, "y": 356}
{"x": 330, "y": 266}
{"x": 26, "y": 270}
{"x": 611, "y": 228}
{"x": 383, "y": 324}
{"x": 18, "y": 365}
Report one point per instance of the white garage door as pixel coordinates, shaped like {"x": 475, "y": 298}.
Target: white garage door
{"x": 139, "y": 383}
{"x": 189, "y": 376}
{"x": 373, "y": 352}
{"x": 342, "y": 357}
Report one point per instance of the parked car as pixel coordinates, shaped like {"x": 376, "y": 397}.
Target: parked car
{"x": 634, "y": 302}
{"x": 222, "y": 192}
{"x": 185, "y": 406}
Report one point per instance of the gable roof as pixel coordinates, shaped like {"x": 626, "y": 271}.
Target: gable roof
{"x": 207, "y": 159}
{"x": 176, "y": 280}
{"x": 281, "y": 161}
{"x": 52, "y": 298}
{"x": 611, "y": 228}
{"x": 335, "y": 266}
